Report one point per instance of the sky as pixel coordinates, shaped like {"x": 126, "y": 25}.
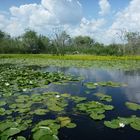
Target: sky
{"x": 103, "y": 20}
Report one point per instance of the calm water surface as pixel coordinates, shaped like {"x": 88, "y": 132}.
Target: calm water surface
{"x": 88, "y": 129}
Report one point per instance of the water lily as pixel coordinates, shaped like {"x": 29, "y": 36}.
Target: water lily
{"x": 95, "y": 84}
{"x": 31, "y": 82}
{"x": 122, "y": 125}
{"x": 57, "y": 96}
{"x": 24, "y": 90}
{"x": 7, "y": 84}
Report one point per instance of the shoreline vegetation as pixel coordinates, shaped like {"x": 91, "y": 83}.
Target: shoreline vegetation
{"x": 69, "y": 57}
{"x": 61, "y": 43}
{"x": 79, "y": 61}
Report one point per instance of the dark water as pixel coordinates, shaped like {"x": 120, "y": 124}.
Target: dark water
{"x": 88, "y": 129}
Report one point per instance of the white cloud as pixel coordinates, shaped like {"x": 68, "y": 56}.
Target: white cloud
{"x": 128, "y": 19}
{"x": 3, "y": 21}
{"x": 67, "y": 11}
{"x": 68, "y": 14}
{"x": 42, "y": 16}
{"x": 89, "y": 27}
{"x": 104, "y": 6}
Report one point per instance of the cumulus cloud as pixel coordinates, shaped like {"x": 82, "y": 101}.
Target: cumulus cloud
{"x": 128, "y": 19}
{"x": 67, "y": 11}
{"x": 89, "y": 27}
{"x": 42, "y": 16}
{"x": 3, "y": 21}
{"x": 68, "y": 14}
{"x": 104, "y": 7}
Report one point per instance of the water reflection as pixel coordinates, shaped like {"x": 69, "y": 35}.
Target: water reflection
{"x": 87, "y": 129}
{"x": 132, "y": 78}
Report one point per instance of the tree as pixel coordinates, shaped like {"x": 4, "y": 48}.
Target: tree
{"x": 2, "y": 35}
{"x": 30, "y": 41}
{"x": 43, "y": 43}
{"x": 133, "y": 42}
{"x": 85, "y": 41}
{"x": 60, "y": 41}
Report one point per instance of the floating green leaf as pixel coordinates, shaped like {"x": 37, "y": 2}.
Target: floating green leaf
{"x": 120, "y": 122}
{"x": 104, "y": 97}
{"x": 132, "y": 106}
{"x": 90, "y": 85}
{"x": 94, "y": 109}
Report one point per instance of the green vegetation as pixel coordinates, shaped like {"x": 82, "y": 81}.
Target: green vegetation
{"x": 103, "y": 97}
{"x": 14, "y": 79}
{"x": 32, "y": 43}
{"x": 121, "y": 122}
{"x": 43, "y": 60}
{"x": 20, "y": 104}
{"x": 96, "y": 110}
{"x": 92, "y": 85}
{"x": 132, "y": 106}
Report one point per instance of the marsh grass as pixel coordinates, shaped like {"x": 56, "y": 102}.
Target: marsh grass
{"x": 79, "y": 61}
{"x": 69, "y": 57}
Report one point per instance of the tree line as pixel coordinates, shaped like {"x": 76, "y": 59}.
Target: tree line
{"x": 61, "y": 43}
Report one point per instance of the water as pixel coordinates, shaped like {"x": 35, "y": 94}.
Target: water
{"x": 88, "y": 129}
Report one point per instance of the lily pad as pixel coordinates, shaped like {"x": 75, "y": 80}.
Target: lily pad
{"x": 21, "y": 138}
{"x": 71, "y": 125}
{"x": 104, "y": 97}
{"x": 2, "y": 103}
{"x": 78, "y": 99}
{"x": 94, "y": 109}
{"x": 132, "y": 106}
{"x": 120, "y": 122}
{"x": 40, "y": 111}
{"x": 44, "y": 134}
{"x": 90, "y": 85}
{"x": 10, "y": 132}
{"x": 96, "y": 116}
{"x": 64, "y": 121}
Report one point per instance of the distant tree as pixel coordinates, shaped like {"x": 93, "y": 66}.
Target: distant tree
{"x": 30, "y": 41}
{"x": 83, "y": 41}
{"x": 2, "y": 35}
{"x": 60, "y": 41}
{"x": 43, "y": 43}
{"x": 133, "y": 42}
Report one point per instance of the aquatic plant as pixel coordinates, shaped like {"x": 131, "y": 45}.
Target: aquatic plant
{"x": 94, "y": 109}
{"x": 132, "y": 106}
{"x": 120, "y": 122}
{"x": 14, "y": 79}
{"x": 103, "y": 97}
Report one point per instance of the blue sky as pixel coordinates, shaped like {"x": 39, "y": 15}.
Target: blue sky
{"x": 100, "y": 19}
{"x": 90, "y": 7}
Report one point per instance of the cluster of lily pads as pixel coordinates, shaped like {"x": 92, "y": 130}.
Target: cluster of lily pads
{"x": 95, "y": 109}
{"x": 61, "y": 62}
{"x": 92, "y": 85}
{"x": 121, "y": 122}
{"x": 103, "y": 97}
{"x": 48, "y": 129}
{"x": 28, "y": 106}
{"x": 18, "y": 111}
{"x": 16, "y": 79}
